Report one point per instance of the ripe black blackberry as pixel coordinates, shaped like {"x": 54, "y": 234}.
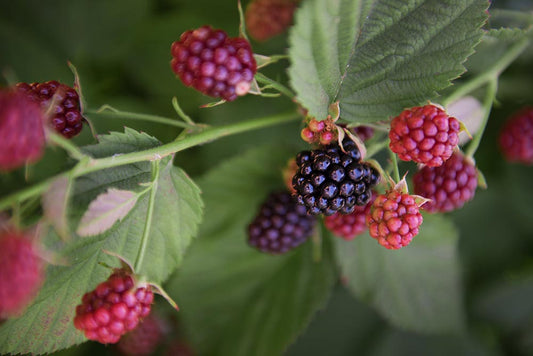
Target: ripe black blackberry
{"x": 213, "y": 63}
{"x": 66, "y": 115}
{"x": 281, "y": 224}
{"x": 330, "y": 179}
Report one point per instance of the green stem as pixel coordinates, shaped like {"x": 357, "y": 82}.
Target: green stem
{"x": 149, "y": 215}
{"x": 261, "y": 78}
{"x": 87, "y": 166}
{"x": 487, "y": 105}
{"x": 376, "y": 147}
{"x": 493, "y": 72}
{"x": 136, "y": 116}
{"x": 65, "y": 144}
{"x": 395, "y": 169}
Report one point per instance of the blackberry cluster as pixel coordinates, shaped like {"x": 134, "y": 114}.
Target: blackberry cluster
{"x": 330, "y": 179}
{"x": 66, "y": 115}
{"x": 214, "y": 64}
{"x": 115, "y": 307}
{"x": 280, "y": 225}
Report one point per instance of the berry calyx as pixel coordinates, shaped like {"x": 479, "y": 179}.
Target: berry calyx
{"x": 332, "y": 179}
{"x": 115, "y": 307}
{"x": 268, "y": 18}
{"x": 65, "y": 114}
{"x": 348, "y": 226}
{"x": 213, "y": 63}
{"x": 22, "y": 138}
{"x": 516, "y": 137}
{"x": 449, "y": 186}
{"x": 281, "y": 224}
{"x": 21, "y": 272}
{"x": 144, "y": 339}
{"x": 394, "y": 218}
{"x": 424, "y": 134}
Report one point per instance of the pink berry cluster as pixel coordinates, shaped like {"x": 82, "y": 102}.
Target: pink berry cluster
{"x": 348, "y": 226}
{"x": 21, "y": 272}
{"x": 516, "y": 137}
{"x": 268, "y": 18}
{"x": 323, "y": 132}
{"x": 115, "y": 307}
{"x": 22, "y": 138}
{"x": 213, "y": 63}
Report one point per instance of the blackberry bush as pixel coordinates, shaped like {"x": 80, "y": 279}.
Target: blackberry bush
{"x": 281, "y": 225}
{"x": 332, "y": 179}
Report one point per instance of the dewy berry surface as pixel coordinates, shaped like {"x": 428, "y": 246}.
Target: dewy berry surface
{"x": 21, "y": 273}
{"x": 22, "y": 137}
{"x": 65, "y": 115}
{"x": 516, "y": 137}
{"x": 213, "y": 63}
{"x": 268, "y": 18}
{"x": 348, "y": 226}
{"x": 449, "y": 186}
{"x": 424, "y": 134}
{"x": 281, "y": 224}
{"x": 330, "y": 180}
{"x": 115, "y": 307}
{"x": 394, "y": 219}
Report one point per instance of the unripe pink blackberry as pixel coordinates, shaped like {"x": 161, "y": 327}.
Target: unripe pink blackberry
{"x": 323, "y": 132}
{"x": 394, "y": 219}
{"x": 268, "y": 18}
{"x": 449, "y": 186}
{"x": 65, "y": 115}
{"x": 21, "y": 272}
{"x": 516, "y": 137}
{"x": 348, "y": 226}
{"x": 424, "y": 134}
{"x": 214, "y": 64}
{"x": 144, "y": 339}
{"x": 22, "y": 137}
{"x": 115, "y": 307}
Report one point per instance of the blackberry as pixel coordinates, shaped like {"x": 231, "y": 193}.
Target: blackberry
{"x": 22, "y": 138}
{"x": 330, "y": 180}
{"x": 66, "y": 115}
{"x": 516, "y": 137}
{"x": 214, "y": 64}
{"x": 281, "y": 224}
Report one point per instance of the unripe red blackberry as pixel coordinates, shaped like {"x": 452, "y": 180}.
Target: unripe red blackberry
{"x": 281, "y": 224}
{"x": 323, "y": 132}
{"x": 516, "y": 137}
{"x": 65, "y": 115}
{"x": 21, "y": 273}
{"x": 22, "y": 137}
{"x": 394, "y": 219}
{"x": 143, "y": 340}
{"x": 330, "y": 180}
{"x": 214, "y": 64}
{"x": 424, "y": 134}
{"x": 348, "y": 226}
{"x": 268, "y": 18}
{"x": 115, "y": 307}
{"x": 449, "y": 186}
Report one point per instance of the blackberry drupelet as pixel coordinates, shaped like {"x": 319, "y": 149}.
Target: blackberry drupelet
{"x": 281, "y": 224}
{"x": 330, "y": 180}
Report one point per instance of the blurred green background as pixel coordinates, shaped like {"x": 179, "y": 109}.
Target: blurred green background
{"x": 121, "y": 49}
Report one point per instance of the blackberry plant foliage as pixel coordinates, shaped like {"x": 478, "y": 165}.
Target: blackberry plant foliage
{"x": 215, "y": 169}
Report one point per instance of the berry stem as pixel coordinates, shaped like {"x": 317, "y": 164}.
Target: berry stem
{"x": 111, "y": 112}
{"x": 149, "y": 215}
{"x": 91, "y": 165}
{"x": 394, "y": 162}
{"x": 65, "y": 144}
{"x": 490, "y": 96}
{"x": 181, "y": 113}
{"x": 263, "y": 79}
{"x": 488, "y": 75}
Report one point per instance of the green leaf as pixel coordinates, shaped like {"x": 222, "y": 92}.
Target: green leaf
{"x": 47, "y": 326}
{"x": 234, "y": 299}
{"x": 416, "y": 288}
{"x": 379, "y": 56}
